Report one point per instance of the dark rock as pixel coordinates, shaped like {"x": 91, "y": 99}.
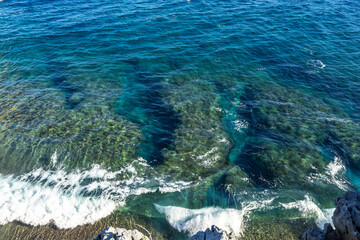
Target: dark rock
{"x": 214, "y": 233}
{"x": 346, "y": 220}
{"x": 328, "y": 233}
{"x": 120, "y": 234}
{"x": 346, "y": 217}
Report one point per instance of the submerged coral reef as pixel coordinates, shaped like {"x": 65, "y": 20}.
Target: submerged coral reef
{"x": 290, "y": 132}
{"x": 201, "y": 144}
{"x": 40, "y": 131}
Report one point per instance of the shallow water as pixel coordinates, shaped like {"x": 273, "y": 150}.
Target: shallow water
{"x": 182, "y": 113}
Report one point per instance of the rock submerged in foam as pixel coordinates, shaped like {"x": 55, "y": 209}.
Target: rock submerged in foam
{"x": 346, "y": 220}
{"x": 120, "y": 234}
{"x": 214, "y": 233}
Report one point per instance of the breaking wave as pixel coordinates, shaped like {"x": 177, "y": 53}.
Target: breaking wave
{"x": 40, "y": 197}
{"x": 235, "y": 220}
{"x": 308, "y": 208}
{"x": 194, "y": 220}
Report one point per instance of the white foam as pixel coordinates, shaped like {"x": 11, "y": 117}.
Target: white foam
{"x": 206, "y": 155}
{"x": 239, "y": 125}
{"x": 334, "y": 174}
{"x": 334, "y": 169}
{"x": 316, "y": 64}
{"x": 223, "y": 140}
{"x": 238, "y": 104}
{"x": 194, "y": 220}
{"x": 308, "y": 208}
{"x": 75, "y": 198}
{"x": 54, "y": 158}
{"x": 38, "y": 205}
{"x": 209, "y": 158}
{"x": 167, "y": 187}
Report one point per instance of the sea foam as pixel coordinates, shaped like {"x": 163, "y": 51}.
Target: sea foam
{"x": 39, "y": 205}
{"x": 194, "y": 220}
{"x": 69, "y": 199}
{"x": 308, "y": 207}
{"x": 334, "y": 174}
{"x": 234, "y": 220}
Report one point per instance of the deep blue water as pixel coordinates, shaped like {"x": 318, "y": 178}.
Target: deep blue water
{"x": 250, "y": 105}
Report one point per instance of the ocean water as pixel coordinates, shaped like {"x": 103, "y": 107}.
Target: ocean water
{"x": 185, "y": 113}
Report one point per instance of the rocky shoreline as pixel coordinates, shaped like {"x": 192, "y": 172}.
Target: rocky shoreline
{"x": 111, "y": 233}
{"x": 346, "y": 221}
{"x": 346, "y": 226}
{"x": 121, "y": 233}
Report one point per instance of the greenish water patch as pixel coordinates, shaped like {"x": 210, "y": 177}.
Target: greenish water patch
{"x": 78, "y": 137}
{"x": 201, "y": 143}
{"x": 282, "y": 145}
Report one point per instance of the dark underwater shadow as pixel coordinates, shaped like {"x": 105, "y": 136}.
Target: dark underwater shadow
{"x": 142, "y": 103}
{"x": 57, "y": 71}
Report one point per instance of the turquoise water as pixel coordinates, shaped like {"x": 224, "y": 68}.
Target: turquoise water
{"x": 228, "y": 110}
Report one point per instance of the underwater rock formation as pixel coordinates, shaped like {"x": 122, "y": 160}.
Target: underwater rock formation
{"x": 214, "y": 233}
{"x": 142, "y": 104}
{"x": 41, "y": 131}
{"x": 92, "y": 136}
{"x": 201, "y": 144}
{"x": 57, "y": 72}
{"x": 348, "y": 134}
{"x": 346, "y": 220}
{"x": 282, "y": 147}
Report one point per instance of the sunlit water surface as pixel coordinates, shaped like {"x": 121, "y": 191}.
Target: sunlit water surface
{"x": 184, "y": 113}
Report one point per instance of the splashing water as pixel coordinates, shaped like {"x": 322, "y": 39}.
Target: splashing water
{"x": 40, "y": 197}
{"x": 308, "y": 207}
{"x": 334, "y": 174}
{"x": 194, "y": 220}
